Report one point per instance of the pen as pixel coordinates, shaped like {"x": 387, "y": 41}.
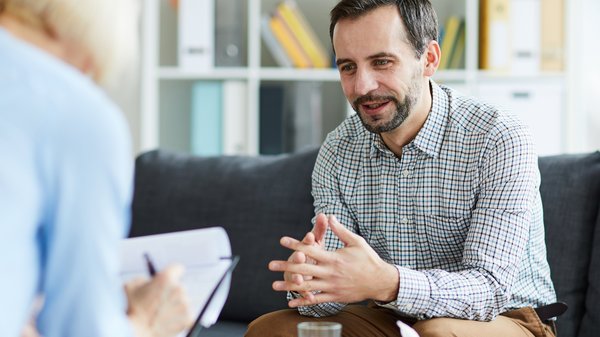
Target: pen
{"x": 150, "y": 265}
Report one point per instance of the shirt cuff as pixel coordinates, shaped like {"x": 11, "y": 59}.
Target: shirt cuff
{"x": 413, "y": 293}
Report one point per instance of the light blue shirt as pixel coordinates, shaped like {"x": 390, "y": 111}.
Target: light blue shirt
{"x": 65, "y": 194}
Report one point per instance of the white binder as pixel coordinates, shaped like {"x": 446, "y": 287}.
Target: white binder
{"x": 196, "y": 35}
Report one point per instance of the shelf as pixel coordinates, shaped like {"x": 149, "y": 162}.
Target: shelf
{"x": 175, "y": 73}
{"x": 292, "y": 74}
{"x": 263, "y": 74}
{"x": 542, "y": 76}
{"x": 165, "y": 89}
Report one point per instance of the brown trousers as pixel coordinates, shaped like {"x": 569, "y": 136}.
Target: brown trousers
{"x": 375, "y": 321}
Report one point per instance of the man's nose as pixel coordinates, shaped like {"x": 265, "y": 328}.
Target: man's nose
{"x": 365, "y": 82}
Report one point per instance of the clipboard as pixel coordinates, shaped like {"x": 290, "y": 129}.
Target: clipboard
{"x": 206, "y": 255}
{"x": 197, "y": 326}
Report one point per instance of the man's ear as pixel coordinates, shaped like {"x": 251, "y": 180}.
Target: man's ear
{"x": 431, "y": 58}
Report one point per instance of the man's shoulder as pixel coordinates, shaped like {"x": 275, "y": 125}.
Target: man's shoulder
{"x": 349, "y": 131}
{"x": 476, "y": 116}
{"x": 346, "y": 144}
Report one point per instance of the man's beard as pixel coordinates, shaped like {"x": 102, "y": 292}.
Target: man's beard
{"x": 400, "y": 114}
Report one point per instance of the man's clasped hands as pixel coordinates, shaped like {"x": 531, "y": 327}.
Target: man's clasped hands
{"x": 352, "y": 273}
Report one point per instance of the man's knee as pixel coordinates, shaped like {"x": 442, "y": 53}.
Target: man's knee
{"x": 280, "y": 323}
{"x": 436, "y": 327}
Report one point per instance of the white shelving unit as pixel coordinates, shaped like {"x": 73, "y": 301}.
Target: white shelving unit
{"x": 164, "y": 85}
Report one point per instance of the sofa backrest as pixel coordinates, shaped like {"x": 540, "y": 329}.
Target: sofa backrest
{"x": 256, "y": 199}
{"x": 260, "y": 199}
{"x": 570, "y": 190}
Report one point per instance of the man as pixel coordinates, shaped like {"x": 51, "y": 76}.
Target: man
{"x": 66, "y": 177}
{"x": 427, "y": 201}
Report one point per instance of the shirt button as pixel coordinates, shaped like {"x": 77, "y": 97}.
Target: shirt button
{"x": 404, "y": 220}
{"x": 408, "y": 306}
{"x": 405, "y": 173}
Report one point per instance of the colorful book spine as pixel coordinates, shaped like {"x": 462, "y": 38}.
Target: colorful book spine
{"x": 271, "y": 121}
{"x": 289, "y": 43}
{"x": 276, "y": 49}
{"x": 295, "y": 20}
{"x": 457, "y": 58}
{"x": 235, "y": 105}
{"x": 206, "y": 118}
{"x": 494, "y": 35}
{"x": 452, "y": 31}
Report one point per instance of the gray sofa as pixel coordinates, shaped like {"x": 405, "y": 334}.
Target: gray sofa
{"x": 259, "y": 199}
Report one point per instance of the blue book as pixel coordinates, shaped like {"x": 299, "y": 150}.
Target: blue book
{"x": 271, "y": 124}
{"x": 207, "y": 118}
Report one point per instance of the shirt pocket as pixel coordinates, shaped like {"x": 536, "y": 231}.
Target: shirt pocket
{"x": 446, "y": 239}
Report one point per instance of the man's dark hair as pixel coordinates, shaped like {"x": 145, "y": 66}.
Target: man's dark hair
{"x": 418, "y": 16}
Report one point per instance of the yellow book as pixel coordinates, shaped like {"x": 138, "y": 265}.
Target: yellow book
{"x": 289, "y": 43}
{"x": 297, "y": 23}
{"x": 451, "y": 35}
{"x": 458, "y": 52}
{"x": 494, "y": 35}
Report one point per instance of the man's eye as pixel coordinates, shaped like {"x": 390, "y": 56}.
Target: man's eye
{"x": 381, "y": 62}
{"x": 347, "y": 67}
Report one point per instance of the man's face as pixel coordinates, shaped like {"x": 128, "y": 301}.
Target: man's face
{"x": 381, "y": 76}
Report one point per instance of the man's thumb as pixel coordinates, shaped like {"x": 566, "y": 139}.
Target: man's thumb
{"x": 346, "y": 236}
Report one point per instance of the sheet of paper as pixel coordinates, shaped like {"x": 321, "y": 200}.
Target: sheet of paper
{"x": 406, "y": 330}
{"x": 205, "y": 253}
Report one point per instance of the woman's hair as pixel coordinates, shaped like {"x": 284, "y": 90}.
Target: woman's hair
{"x": 105, "y": 30}
{"x": 418, "y": 17}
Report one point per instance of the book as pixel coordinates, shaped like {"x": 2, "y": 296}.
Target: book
{"x": 206, "y": 118}
{"x": 276, "y": 49}
{"x": 230, "y": 46}
{"x": 290, "y": 116}
{"x": 271, "y": 118}
{"x": 494, "y": 35}
{"x": 293, "y": 18}
{"x": 206, "y": 255}
{"x": 305, "y": 125}
{"x": 452, "y": 30}
{"x": 196, "y": 34}
{"x": 289, "y": 43}
{"x": 234, "y": 117}
{"x": 457, "y": 58}
{"x": 552, "y": 35}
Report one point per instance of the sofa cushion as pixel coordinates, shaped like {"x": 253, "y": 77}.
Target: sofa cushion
{"x": 590, "y": 325}
{"x": 570, "y": 191}
{"x": 256, "y": 199}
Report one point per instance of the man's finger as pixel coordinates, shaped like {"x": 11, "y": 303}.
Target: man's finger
{"x": 345, "y": 235}
{"x": 312, "y": 300}
{"x": 320, "y": 228}
{"x": 294, "y": 268}
{"x": 304, "y": 287}
{"x": 298, "y": 257}
{"x": 309, "y": 238}
{"x": 315, "y": 252}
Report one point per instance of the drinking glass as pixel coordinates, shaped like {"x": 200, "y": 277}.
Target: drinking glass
{"x": 319, "y": 329}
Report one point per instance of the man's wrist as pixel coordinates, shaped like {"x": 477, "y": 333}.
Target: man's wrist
{"x": 390, "y": 284}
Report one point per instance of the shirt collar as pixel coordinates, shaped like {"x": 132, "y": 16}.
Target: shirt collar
{"x": 431, "y": 136}
{"x": 429, "y": 139}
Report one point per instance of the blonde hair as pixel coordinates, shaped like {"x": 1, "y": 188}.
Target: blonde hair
{"x": 106, "y": 30}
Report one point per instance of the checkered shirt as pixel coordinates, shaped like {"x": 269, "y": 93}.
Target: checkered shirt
{"x": 459, "y": 214}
